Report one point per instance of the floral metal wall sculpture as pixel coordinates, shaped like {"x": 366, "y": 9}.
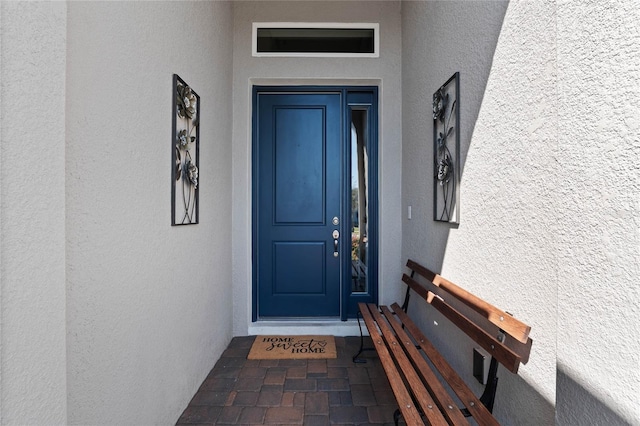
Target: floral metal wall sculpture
{"x": 185, "y": 153}
{"x": 446, "y": 151}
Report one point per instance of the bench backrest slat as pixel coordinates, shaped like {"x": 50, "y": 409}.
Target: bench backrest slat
{"x": 515, "y": 328}
{"x": 415, "y": 286}
{"x": 521, "y": 349}
{"x": 504, "y": 355}
{"x": 473, "y": 316}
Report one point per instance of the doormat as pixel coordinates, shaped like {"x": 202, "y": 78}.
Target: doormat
{"x": 293, "y": 347}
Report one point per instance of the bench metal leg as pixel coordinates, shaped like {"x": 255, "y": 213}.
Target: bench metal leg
{"x": 355, "y": 358}
{"x": 396, "y": 416}
{"x": 489, "y": 395}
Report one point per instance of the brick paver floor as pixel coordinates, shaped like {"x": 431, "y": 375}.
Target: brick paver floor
{"x": 239, "y": 391}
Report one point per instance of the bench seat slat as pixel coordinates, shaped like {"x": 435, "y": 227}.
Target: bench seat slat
{"x": 428, "y": 405}
{"x": 409, "y": 411}
{"x": 441, "y": 396}
{"x": 515, "y": 328}
{"x": 468, "y": 398}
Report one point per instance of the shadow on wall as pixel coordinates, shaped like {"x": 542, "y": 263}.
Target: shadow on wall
{"x": 502, "y": 201}
{"x": 521, "y": 394}
{"x": 575, "y": 405}
{"x": 469, "y": 49}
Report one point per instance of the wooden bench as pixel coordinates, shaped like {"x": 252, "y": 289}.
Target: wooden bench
{"x": 403, "y": 350}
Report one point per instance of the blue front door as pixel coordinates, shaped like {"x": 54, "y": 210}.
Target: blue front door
{"x": 299, "y": 143}
{"x": 314, "y": 219}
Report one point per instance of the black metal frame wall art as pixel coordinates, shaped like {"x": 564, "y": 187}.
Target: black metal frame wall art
{"x": 185, "y": 148}
{"x": 446, "y": 151}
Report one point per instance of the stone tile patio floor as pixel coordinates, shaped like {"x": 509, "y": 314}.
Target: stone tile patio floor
{"x": 336, "y": 391}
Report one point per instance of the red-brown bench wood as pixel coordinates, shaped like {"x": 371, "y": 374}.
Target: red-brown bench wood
{"x": 403, "y": 350}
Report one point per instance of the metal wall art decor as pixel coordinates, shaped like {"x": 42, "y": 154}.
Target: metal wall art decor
{"x": 446, "y": 151}
{"x": 185, "y": 146}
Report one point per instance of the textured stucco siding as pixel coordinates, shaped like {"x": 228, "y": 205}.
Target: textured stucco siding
{"x": 599, "y": 209}
{"x": 503, "y": 249}
{"x": 384, "y": 71}
{"x": 32, "y": 213}
{"x": 550, "y": 212}
{"x": 149, "y": 305}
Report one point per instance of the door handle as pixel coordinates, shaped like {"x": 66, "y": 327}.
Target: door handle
{"x": 335, "y": 236}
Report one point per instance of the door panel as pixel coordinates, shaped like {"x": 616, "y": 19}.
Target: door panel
{"x": 299, "y": 262}
{"x": 298, "y": 169}
{"x": 299, "y": 148}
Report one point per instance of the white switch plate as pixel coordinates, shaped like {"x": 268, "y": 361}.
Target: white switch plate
{"x": 409, "y": 213}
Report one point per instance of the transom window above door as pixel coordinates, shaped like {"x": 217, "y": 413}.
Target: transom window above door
{"x": 316, "y": 39}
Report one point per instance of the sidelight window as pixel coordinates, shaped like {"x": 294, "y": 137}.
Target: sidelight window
{"x": 359, "y": 201}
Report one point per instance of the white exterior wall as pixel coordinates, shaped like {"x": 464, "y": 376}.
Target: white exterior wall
{"x": 32, "y": 213}
{"x": 503, "y": 249}
{"x": 549, "y": 222}
{"x": 599, "y": 195}
{"x": 149, "y": 309}
{"x": 383, "y": 71}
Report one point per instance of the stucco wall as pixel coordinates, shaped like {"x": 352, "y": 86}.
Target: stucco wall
{"x": 149, "y": 308}
{"x": 599, "y": 241}
{"x": 383, "y": 71}
{"x": 32, "y": 213}
{"x": 549, "y": 226}
{"x": 503, "y": 249}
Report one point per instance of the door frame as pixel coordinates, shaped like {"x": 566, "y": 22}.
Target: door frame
{"x": 351, "y": 96}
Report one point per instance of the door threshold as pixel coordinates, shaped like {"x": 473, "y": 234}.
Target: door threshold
{"x": 306, "y": 326}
